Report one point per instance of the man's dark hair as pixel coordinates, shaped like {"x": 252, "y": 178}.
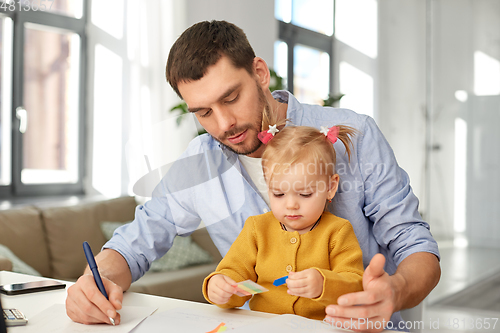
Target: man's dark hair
{"x": 201, "y": 46}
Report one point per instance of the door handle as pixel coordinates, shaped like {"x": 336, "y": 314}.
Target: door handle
{"x": 22, "y": 115}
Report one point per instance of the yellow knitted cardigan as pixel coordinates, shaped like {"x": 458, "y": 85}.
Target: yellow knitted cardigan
{"x": 263, "y": 252}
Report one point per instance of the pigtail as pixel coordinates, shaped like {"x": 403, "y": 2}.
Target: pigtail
{"x": 270, "y": 118}
{"x": 267, "y": 119}
{"x": 345, "y": 135}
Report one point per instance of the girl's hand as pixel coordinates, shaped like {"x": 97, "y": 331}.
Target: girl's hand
{"x": 307, "y": 283}
{"x": 220, "y": 289}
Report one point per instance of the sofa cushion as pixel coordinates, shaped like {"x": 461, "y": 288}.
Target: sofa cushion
{"x": 68, "y": 227}
{"x": 5, "y": 264}
{"x": 203, "y": 239}
{"x": 184, "y": 252}
{"x": 119, "y": 209}
{"x": 23, "y": 233}
{"x": 17, "y": 265}
{"x": 184, "y": 284}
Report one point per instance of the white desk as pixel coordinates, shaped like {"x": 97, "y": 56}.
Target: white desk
{"x": 34, "y": 303}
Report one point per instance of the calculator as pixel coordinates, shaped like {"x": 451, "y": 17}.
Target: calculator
{"x": 14, "y": 317}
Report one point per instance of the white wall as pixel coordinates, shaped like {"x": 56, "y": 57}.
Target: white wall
{"x": 399, "y": 74}
{"x": 403, "y": 80}
{"x": 483, "y": 119}
{"x": 483, "y": 157}
{"x": 452, "y": 70}
{"x": 459, "y": 28}
{"x": 401, "y": 84}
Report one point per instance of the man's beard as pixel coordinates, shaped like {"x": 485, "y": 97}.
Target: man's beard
{"x": 256, "y": 143}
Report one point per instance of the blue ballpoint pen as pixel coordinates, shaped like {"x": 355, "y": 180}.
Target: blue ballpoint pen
{"x": 93, "y": 267}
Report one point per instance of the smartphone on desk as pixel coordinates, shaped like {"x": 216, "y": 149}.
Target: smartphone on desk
{"x": 31, "y": 287}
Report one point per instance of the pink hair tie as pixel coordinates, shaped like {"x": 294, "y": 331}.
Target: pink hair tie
{"x": 266, "y": 136}
{"x": 331, "y": 134}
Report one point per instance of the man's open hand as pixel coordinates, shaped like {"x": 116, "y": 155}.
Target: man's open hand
{"x": 371, "y": 307}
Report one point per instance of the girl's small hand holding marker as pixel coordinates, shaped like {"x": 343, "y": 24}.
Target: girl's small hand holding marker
{"x": 307, "y": 283}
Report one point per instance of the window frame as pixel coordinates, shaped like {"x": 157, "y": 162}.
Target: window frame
{"x": 66, "y": 23}
{"x": 6, "y": 190}
{"x": 293, "y": 34}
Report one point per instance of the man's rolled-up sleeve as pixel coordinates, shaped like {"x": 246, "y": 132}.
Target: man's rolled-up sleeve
{"x": 153, "y": 230}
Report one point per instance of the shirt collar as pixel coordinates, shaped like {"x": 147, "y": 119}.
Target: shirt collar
{"x": 294, "y": 110}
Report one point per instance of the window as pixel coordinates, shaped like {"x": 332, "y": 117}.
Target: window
{"x": 42, "y": 59}
{"x": 6, "y": 26}
{"x": 303, "y": 53}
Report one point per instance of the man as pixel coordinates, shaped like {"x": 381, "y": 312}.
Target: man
{"x": 214, "y": 69}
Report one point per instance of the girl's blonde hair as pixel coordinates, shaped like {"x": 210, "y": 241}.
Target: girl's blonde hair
{"x": 294, "y": 144}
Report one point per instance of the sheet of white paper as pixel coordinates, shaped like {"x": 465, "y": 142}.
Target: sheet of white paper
{"x": 291, "y": 323}
{"x": 55, "y": 320}
{"x": 195, "y": 320}
{"x": 287, "y": 323}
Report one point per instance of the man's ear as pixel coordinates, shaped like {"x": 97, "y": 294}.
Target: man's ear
{"x": 262, "y": 72}
{"x": 333, "y": 186}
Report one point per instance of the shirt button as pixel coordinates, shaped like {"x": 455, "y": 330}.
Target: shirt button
{"x": 289, "y": 268}
{"x": 265, "y": 210}
{"x": 293, "y": 240}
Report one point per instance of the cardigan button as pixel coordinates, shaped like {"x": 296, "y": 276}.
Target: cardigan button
{"x": 293, "y": 240}
{"x": 289, "y": 268}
